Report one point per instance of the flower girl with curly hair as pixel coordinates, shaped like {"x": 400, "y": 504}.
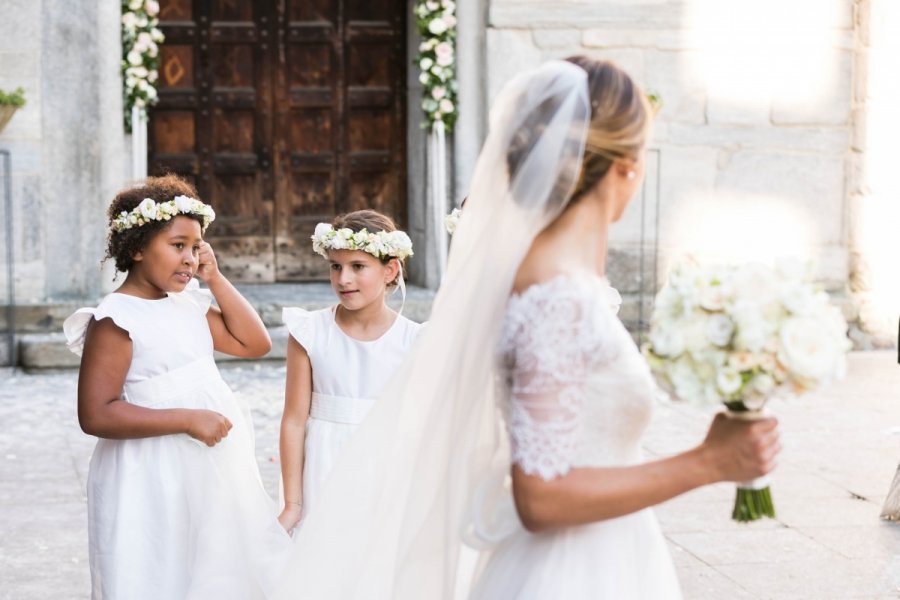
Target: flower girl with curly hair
{"x": 176, "y": 507}
{"x": 339, "y": 358}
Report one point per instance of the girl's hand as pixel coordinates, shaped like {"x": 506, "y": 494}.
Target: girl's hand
{"x": 290, "y": 516}
{"x": 742, "y": 450}
{"x": 207, "y": 267}
{"x": 208, "y": 426}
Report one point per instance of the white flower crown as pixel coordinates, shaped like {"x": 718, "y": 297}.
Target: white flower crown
{"x": 384, "y": 244}
{"x": 150, "y": 210}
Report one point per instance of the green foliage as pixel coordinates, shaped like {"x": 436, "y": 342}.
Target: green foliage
{"x": 14, "y": 98}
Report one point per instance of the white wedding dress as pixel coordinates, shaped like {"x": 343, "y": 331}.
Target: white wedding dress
{"x": 168, "y": 516}
{"x": 347, "y": 376}
{"x": 577, "y": 394}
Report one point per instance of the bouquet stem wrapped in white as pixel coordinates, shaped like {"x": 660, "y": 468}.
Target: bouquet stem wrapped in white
{"x": 740, "y": 335}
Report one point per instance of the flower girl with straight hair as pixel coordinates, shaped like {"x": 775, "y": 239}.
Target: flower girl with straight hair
{"x": 176, "y": 507}
{"x": 340, "y": 358}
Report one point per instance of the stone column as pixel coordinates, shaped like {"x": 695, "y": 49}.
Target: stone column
{"x": 471, "y": 127}
{"x": 874, "y": 188}
{"x": 82, "y": 140}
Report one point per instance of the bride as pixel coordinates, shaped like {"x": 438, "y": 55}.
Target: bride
{"x": 524, "y": 333}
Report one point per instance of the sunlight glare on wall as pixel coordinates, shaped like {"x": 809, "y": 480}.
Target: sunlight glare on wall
{"x": 740, "y": 227}
{"x": 751, "y": 53}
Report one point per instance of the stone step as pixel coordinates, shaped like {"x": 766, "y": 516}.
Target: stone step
{"x": 42, "y": 345}
{"x": 267, "y": 299}
{"x": 43, "y": 351}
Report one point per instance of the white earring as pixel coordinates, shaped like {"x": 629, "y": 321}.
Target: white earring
{"x": 631, "y": 175}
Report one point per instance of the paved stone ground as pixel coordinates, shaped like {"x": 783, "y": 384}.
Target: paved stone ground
{"x": 841, "y": 449}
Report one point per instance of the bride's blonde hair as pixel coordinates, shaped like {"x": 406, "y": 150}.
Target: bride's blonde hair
{"x": 620, "y": 120}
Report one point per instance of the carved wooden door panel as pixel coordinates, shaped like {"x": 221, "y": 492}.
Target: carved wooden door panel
{"x": 283, "y": 113}
{"x": 214, "y": 123}
{"x": 341, "y": 120}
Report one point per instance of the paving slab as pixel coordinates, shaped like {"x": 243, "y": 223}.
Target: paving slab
{"x": 842, "y": 447}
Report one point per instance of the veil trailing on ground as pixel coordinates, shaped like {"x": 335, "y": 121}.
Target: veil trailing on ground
{"x": 394, "y": 513}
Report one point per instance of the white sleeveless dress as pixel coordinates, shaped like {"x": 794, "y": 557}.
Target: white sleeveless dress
{"x": 347, "y": 376}
{"x": 577, "y": 393}
{"x": 168, "y": 516}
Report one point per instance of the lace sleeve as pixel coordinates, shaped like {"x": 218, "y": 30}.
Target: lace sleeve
{"x": 554, "y": 338}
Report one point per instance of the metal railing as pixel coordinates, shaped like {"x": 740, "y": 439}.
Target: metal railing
{"x": 6, "y": 176}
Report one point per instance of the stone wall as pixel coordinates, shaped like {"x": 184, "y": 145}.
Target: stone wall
{"x": 20, "y": 66}
{"x": 66, "y": 143}
{"x": 754, "y": 135}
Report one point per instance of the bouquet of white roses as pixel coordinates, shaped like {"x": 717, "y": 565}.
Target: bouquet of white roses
{"x": 739, "y": 335}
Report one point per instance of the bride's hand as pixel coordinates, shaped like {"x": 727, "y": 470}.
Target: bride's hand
{"x": 290, "y": 516}
{"x": 741, "y": 450}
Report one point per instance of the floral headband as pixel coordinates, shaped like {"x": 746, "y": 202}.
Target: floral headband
{"x": 381, "y": 245}
{"x": 150, "y": 210}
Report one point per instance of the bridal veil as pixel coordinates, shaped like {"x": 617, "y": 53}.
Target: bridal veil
{"x": 424, "y": 473}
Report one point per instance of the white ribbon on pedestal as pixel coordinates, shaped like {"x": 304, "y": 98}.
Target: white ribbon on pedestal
{"x": 437, "y": 192}
{"x": 138, "y": 144}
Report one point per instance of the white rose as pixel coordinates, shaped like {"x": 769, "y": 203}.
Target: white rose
{"x": 443, "y": 49}
{"x": 322, "y": 229}
{"x": 449, "y": 5}
{"x": 151, "y": 92}
{"x": 129, "y": 20}
{"x": 135, "y": 4}
{"x": 449, "y": 19}
{"x": 438, "y": 92}
{"x": 719, "y": 329}
{"x": 147, "y": 208}
{"x": 360, "y": 239}
{"x": 437, "y": 26}
{"x": 144, "y": 39}
{"x": 425, "y": 63}
{"x": 134, "y": 57}
{"x": 431, "y": 5}
{"x": 184, "y": 204}
{"x": 445, "y": 60}
{"x": 151, "y": 7}
{"x": 452, "y": 220}
{"x": 713, "y": 297}
{"x": 809, "y": 351}
{"x": 728, "y": 381}
{"x": 684, "y": 379}
{"x": 446, "y": 106}
{"x": 693, "y": 330}
{"x": 152, "y": 75}
{"x": 423, "y": 78}
{"x": 763, "y": 384}
{"x": 666, "y": 342}
{"x": 157, "y": 35}
{"x": 742, "y": 361}
{"x": 401, "y": 243}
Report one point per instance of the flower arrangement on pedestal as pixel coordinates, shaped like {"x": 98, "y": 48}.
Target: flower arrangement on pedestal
{"x": 741, "y": 335}
{"x": 436, "y": 23}
{"x": 140, "y": 55}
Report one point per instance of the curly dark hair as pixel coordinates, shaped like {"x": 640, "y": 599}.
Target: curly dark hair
{"x": 373, "y": 222}
{"x": 121, "y": 246}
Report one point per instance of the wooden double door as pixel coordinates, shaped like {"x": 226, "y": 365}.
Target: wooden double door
{"x": 283, "y": 113}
